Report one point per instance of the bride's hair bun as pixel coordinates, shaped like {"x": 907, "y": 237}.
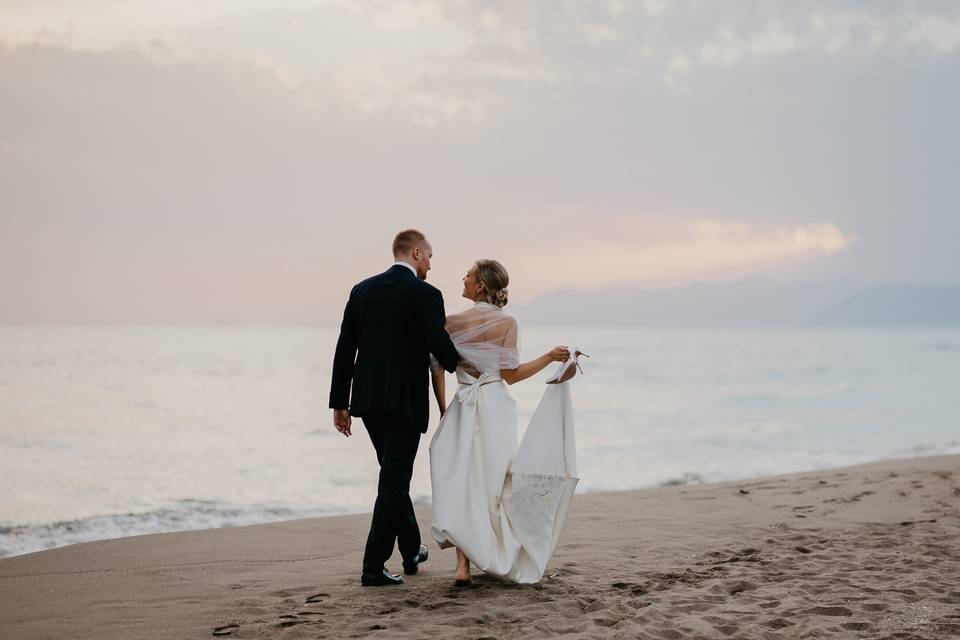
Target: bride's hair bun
{"x": 495, "y": 280}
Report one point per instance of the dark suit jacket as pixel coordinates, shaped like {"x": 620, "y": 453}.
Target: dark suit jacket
{"x": 392, "y": 322}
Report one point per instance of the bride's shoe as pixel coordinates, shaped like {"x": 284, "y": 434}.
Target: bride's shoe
{"x": 568, "y": 369}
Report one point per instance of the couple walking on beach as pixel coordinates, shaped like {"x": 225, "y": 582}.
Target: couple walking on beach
{"x": 502, "y": 506}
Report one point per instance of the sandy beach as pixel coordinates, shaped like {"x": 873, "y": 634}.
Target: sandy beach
{"x": 871, "y": 551}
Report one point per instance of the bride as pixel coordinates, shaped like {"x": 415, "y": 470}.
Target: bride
{"x": 501, "y": 506}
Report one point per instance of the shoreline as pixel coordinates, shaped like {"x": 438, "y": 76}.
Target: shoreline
{"x": 73, "y": 525}
{"x": 868, "y": 549}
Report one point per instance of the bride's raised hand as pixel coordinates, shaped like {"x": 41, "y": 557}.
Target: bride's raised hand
{"x": 527, "y": 369}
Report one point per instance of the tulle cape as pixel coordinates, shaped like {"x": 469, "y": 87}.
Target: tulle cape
{"x": 486, "y": 338}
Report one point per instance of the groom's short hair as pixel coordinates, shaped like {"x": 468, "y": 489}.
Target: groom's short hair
{"x": 405, "y": 241}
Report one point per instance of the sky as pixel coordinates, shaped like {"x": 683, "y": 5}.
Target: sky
{"x": 250, "y": 160}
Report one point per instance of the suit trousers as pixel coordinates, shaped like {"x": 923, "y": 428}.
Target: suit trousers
{"x": 396, "y": 443}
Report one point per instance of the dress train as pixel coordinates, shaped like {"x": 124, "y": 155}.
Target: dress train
{"x": 504, "y": 506}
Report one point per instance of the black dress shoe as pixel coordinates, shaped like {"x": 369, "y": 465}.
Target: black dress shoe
{"x": 381, "y": 579}
{"x": 412, "y": 565}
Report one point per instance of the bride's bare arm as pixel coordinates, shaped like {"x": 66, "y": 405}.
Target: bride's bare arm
{"x": 439, "y": 388}
{"x": 527, "y": 369}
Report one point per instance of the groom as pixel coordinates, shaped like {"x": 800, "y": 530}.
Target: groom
{"x": 391, "y": 325}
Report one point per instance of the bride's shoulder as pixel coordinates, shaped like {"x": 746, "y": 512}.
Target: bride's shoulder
{"x": 496, "y": 316}
{"x": 482, "y": 317}
{"x": 457, "y": 321}
{"x": 510, "y": 321}
{"x": 500, "y": 317}
{"x": 503, "y": 323}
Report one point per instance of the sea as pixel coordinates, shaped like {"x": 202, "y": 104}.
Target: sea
{"x": 118, "y": 431}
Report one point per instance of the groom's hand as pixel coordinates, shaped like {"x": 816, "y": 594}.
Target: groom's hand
{"x": 341, "y": 420}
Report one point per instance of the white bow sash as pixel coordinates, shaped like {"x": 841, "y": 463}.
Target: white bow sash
{"x": 469, "y": 392}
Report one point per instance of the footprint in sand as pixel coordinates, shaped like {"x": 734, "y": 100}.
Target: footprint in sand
{"x": 592, "y": 607}
{"x": 290, "y": 621}
{"x": 225, "y": 630}
{"x": 849, "y": 499}
{"x": 739, "y": 586}
{"x": 856, "y": 626}
{"x": 830, "y": 611}
{"x": 632, "y": 587}
{"x": 441, "y": 604}
{"x": 778, "y": 623}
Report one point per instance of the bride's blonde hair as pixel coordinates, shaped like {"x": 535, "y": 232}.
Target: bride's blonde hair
{"x": 494, "y": 278}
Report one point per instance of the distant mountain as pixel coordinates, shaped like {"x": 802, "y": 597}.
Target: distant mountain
{"x": 748, "y": 303}
{"x": 896, "y": 305}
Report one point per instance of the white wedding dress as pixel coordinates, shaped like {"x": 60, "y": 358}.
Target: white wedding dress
{"x": 504, "y": 506}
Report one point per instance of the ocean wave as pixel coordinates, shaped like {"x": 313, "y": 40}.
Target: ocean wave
{"x": 687, "y": 478}
{"x": 185, "y": 515}
{"x": 935, "y": 448}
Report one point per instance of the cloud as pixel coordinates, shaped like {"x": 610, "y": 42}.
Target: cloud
{"x": 818, "y": 32}
{"x": 655, "y": 253}
{"x": 244, "y": 163}
{"x": 583, "y": 40}
{"x": 443, "y": 62}
{"x": 939, "y": 33}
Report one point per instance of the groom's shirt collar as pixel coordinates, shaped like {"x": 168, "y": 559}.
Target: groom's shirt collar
{"x": 407, "y": 265}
